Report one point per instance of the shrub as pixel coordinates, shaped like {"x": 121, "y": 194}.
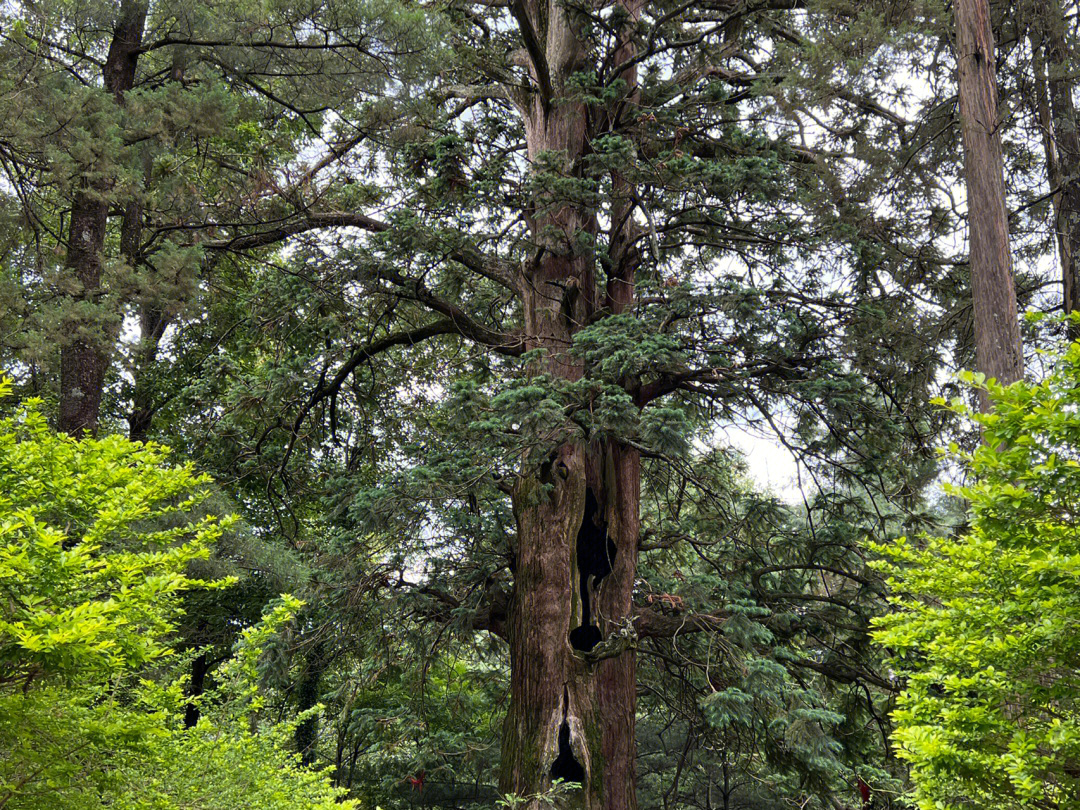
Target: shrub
{"x": 96, "y": 538}
{"x": 985, "y": 631}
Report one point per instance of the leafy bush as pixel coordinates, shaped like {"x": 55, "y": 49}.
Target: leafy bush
{"x": 985, "y": 629}
{"x": 96, "y": 538}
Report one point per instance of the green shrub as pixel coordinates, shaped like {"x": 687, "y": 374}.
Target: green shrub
{"x": 985, "y": 631}
{"x": 96, "y": 537}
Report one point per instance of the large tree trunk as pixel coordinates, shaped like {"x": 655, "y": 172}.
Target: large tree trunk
{"x": 1061, "y": 139}
{"x": 570, "y": 716}
{"x": 998, "y": 352}
{"x": 84, "y": 358}
{"x": 571, "y": 713}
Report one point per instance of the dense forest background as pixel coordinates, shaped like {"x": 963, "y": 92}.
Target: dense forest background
{"x": 454, "y": 315}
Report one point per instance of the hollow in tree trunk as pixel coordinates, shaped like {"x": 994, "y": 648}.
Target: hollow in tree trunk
{"x": 573, "y": 695}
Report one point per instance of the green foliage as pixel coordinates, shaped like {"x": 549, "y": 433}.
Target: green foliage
{"x": 768, "y": 711}
{"x": 793, "y": 268}
{"x": 396, "y": 720}
{"x": 95, "y": 546}
{"x": 985, "y": 628}
{"x": 97, "y": 538}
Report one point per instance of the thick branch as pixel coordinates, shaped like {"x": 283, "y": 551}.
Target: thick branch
{"x": 365, "y": 353}
{"x": 867, "y": 105}
{"x": 652, "y": 624}
{"x": 361, "y": 355}
{"x": 534, "y": 49}
{"x": 490, "y": 615}
{"x": 309, "y": 222}
{"x": 846, "y": 673}
{"x": 512, "y": 345}
{"x": 471, "y": 258}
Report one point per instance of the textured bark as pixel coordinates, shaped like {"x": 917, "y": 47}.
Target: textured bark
{"x": 84, "y": 358}
{"x": 569, "y": 716}
{"x": 545, "y": 684}
{"x": 553, "y": 684}
{"x": 998, "y": 351}
{"x": 617, "y": 677}
{"x": 1061, "y": 139}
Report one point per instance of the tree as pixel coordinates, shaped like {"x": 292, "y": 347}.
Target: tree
{"x": 981, "y": 634}
{"x": 84, "y": 361}
{"x": 140, "y": 129}
{"x": 538, "y": 268}
{"x": 999, "y": 353}
{"x": 553, "y": 222}
{"x": 1051, "y": 58}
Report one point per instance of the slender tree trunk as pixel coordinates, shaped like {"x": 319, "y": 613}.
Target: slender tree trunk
{"x": 1040, "y": 85}
{"x": 1061, "y": 139}
{"x": 998, "y": 352}
{"x": 570, "y": 716}
{"x": 84, "y": 358}
{"x": 307, "y": 697}
{"x": 199, "y": 667}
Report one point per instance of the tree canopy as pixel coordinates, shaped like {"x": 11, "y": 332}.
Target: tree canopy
{"x": 468, "y": 324}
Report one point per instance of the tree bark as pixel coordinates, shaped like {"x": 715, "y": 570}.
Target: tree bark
{"x": 998, "y": 352}
{"x": 307, "y": 697}
{"x": 570, "y": 716}
{"x": 1061, "y": 139}
{"x": 84, "y": 358}
{"x": 617, "y": 676}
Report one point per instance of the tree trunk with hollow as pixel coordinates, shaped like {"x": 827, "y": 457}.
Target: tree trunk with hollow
{"x": 570, "y": 716}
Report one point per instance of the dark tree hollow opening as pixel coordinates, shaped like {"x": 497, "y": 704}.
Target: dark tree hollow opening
{"x": 566, "y": 766}
{"x": 584, "y": 638}
{"x": 595, "y": 558}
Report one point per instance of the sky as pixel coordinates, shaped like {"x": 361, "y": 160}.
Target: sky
{"x": 769, "y": 463}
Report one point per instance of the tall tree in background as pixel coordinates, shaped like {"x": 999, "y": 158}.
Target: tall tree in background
{"x": 1055, "y": 83}
{"x": 84, "y": 358}
{"x": 998, "y": 350}
{"x": 135, "y": 132}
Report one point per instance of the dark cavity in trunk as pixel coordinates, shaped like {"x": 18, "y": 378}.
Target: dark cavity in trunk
{"x": 566, "y": 766}
{"x": 595, "y": 557}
